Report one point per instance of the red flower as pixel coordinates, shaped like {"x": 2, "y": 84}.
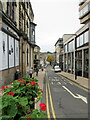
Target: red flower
{"x": 33, "y": 83}
{"x": 43, "y": 108}
{"x": 41, "y": 90}
{"x": 7, "y": 87}
{"x": 18, "y": 79}
{"x": 2, "y": 87}
{"x": 11, "y": 93}
{"x": 28, "y": 118}
{"x": 42, "y": 105}
{"x": 23, "y": 81}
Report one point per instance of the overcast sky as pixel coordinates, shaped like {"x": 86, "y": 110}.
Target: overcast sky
{"x": 54, "y": 18}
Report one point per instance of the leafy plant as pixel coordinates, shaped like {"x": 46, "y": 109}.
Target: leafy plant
{"x": 19, "y": 99}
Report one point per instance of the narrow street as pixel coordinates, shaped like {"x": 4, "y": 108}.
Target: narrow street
{"x": 63, "y": 98}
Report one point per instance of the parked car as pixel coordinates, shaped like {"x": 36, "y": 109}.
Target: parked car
{"x": 57, "y": 69}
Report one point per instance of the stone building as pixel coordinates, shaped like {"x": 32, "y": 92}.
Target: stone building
{"x": 44, "y": 56}
{"x": 58, "y": 52}
{"x": 36, "y": 56}
{"x": 17, "y": 39}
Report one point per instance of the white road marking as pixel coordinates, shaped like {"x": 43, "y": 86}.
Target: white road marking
{"x": 70, "y": 92}
{"x": 59, "y": 83}
{"x": 78, "y": 96}
{"x": 83, "y": 98}
{"x": 57, "y": 79}
{"x": 53, "y": 80}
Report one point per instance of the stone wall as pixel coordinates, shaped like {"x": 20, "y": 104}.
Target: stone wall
{"x": 7, "y": 76}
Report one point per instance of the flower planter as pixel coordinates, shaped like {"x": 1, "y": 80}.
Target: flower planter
{"x": 19, "y": 99}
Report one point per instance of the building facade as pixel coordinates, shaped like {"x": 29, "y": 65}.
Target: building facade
{"x": 84, "y": 16}
{"x": 59, "y": 53}
{"x": 36, "y": 56}
{"x": 68, "y": 54}
{"x": 17, "y": 34}
{"x": 76, "y": 54}
{"x": 58, "y": 49}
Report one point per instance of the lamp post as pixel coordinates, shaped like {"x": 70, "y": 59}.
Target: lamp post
{"x": 75, "y": 58}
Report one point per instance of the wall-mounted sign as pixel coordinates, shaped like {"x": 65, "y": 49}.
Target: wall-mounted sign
{"x": 16, "y": 53}
{"x": 3, "y": 51}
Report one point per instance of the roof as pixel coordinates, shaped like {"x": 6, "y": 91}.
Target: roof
{"x": 58, "y": 41}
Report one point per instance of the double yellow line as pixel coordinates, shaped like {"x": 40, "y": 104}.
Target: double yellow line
{"x": 48, "y": 92}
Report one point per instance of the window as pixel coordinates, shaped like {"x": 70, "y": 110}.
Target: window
{"x": 86, "y": 62}
{"x": 71, "y": 46}
{"x": 86, "y": 37}
{"x": 13, "y": 10}
{"x": 81, "y": 39}
{"x": 8, "y": 8}
{"x": 27, "y": 56}
{"x": 33, "y": 32}
{"x": 16, "y": 53}
{"x": 69, "y": 62}
{"x": 79, "y": 63}
{"x": 84, "y": 10}
{"x": 78, "y": 42}
{"x": 27, "y": 25}
{"x": 65, "y": 49}
{"x": 27, "y": 4}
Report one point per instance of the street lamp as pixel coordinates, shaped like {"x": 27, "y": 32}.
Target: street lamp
{"x": 75, "y": 58}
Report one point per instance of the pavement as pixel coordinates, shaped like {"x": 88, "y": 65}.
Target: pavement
{"x": 82, "y": 81}
{"x": 40, "y": 78}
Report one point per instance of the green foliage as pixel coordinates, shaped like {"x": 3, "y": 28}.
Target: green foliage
{"x": 50, "y": 58}
{"x": 19, "y": 97}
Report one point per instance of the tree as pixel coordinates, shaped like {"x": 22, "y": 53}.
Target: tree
{"x": 50, "y": 59}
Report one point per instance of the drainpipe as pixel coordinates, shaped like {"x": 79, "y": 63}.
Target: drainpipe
{"x": 22, "y": 58}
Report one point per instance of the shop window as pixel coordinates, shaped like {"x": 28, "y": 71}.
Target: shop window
{"x": 72, "y": 62}
{"x": 69, "y": 62}
{"x": 86, "y": 62}
{"x": 79, "y": 63}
